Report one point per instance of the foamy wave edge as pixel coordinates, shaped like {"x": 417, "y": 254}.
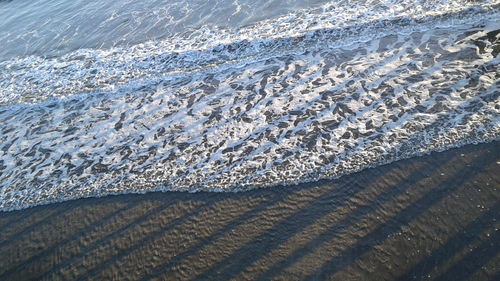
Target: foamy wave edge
{"x": 488, "y": 132}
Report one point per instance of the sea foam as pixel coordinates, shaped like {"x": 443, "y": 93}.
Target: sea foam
{"x": 314, "y": 94}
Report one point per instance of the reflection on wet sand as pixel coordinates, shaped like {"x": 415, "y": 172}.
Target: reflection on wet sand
{"x": 433, "y": 218}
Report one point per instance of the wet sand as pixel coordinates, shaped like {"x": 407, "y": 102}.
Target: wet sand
{"x": 428, "y": 218}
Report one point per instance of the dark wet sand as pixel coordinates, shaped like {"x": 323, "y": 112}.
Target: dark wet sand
{"x": 428, "y": 218}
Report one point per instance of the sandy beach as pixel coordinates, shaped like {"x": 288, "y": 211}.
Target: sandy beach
{"x": 427, "y": 218}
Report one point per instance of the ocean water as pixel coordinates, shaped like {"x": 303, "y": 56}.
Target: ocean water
{"x": 100, "y": 98}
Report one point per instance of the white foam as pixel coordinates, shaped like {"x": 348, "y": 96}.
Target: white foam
{"x": 308, "y": 96}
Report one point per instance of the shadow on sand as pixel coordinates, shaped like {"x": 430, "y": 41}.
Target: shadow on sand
{"x": 432, "y": 217}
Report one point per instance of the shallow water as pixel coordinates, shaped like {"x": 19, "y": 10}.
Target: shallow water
{"x": 54, "y": 27}
{"x": 306, "y": 91}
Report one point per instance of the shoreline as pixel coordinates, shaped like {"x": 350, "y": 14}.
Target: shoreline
{"x": 433, "y": 215}
{"x": 299, "y": 184}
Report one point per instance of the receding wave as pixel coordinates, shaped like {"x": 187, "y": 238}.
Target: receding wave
{"x": 311, "y": 95}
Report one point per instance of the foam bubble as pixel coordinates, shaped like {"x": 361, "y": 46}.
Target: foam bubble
{"x": 273, "y": 109}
